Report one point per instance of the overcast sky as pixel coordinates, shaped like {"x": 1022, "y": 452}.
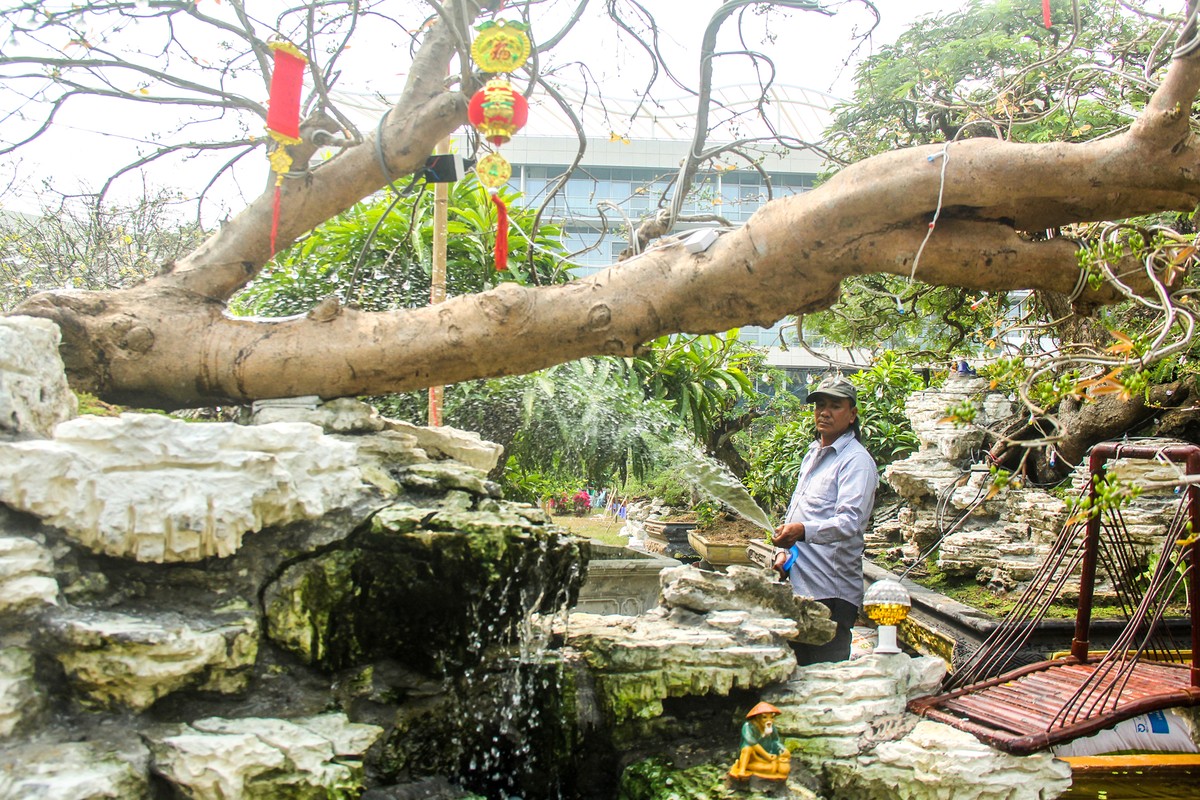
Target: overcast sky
{"x": 93, "y": 139}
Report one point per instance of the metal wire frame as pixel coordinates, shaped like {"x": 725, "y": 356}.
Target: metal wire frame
{"x": 1059, "y": 700}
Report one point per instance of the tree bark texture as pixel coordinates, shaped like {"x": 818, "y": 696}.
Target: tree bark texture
{"x": 169, "y": 342}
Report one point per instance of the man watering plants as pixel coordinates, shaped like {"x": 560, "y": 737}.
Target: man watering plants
{"x": 821, "y": 538}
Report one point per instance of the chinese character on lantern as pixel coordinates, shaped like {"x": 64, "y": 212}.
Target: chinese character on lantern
{"x": 498, "y": 111}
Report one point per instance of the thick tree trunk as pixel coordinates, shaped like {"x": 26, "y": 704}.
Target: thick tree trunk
{"x": 168, "y": 342}
{"x": 720, "y": 445}
{"x": 1084, "y": 424}
{"x": 1167, "y": 410}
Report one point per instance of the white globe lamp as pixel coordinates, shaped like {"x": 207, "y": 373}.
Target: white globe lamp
{"x": 886, "y": 603}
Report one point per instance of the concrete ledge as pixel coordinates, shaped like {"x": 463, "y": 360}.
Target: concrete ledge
{"x": 619, "y": 580}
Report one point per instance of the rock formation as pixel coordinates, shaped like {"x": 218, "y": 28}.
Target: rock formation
{"x": 714, "y": 632}
{"x": 323, "y": 603}
{"x": 948, "y": 513}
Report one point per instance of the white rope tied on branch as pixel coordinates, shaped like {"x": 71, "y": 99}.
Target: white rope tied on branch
{"x": 937, "y": 211}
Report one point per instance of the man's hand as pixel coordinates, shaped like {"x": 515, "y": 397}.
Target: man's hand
{"x": 780, "y": 559}
{"x": 788, "y": 534}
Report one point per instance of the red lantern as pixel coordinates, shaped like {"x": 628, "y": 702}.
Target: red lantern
{"x": 497, "y": 111}
{"x": 283, "y": 110}
{"x": 283, "y": 117}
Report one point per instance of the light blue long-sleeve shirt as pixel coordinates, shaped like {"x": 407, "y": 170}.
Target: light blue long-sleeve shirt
{"x": 834, "y": 496}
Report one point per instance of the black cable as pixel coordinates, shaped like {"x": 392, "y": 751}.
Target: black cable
{"x": 362, "y": 255}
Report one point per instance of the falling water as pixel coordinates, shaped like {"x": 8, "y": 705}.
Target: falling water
{"x": 509, "y": 679}
{"x": 502, "y": 748}
{"x": 714, "y": 479}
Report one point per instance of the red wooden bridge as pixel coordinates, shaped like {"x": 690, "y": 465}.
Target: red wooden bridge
{"x": 1029, "y": 708}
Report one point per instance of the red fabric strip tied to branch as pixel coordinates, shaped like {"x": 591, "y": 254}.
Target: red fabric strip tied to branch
{"x": 275, "y": 215}
{"x": 501, "y": 250}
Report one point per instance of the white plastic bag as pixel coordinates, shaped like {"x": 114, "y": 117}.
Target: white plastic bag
{"x": 1157, "y": 732}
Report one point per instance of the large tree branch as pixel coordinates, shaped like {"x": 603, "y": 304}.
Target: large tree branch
{"x": 169, "y": 341}
{"x": 788, "y": 258}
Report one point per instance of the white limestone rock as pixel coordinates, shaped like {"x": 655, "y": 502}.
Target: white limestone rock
{"x": 1014, "y": 536}
{"x": 27, "y": 582}
{"x": 921, "y": 476}
{"x": 386, "y": 450}
{"x": 1148, "y": 516}
{"x": 221, "y": 759}
{"x": 853, "y": 729}
{"x": 446, "y": 442}
{"x": 998, "y": 407}
{"x": 945, "y": 446}
{"x": 74, "y": 771}
{"x": 348, "y": 739}
{"x": 116, "y": 660}
{"x": 842, "y": 709}
{"x": 755, "y": 591}
{"x": 1044, "y": 513}
{"x": 340, "y": 415}
{"x": 884, "y": 533}
{"x": 918, "y": 531}
{"x": 754, "y": 629}
{"x": 214, "y": 766}
{"x": 441, "y": 476}
{"x": 21, "y": 699}
{"x": 34, "y": 396}
{"x": 968, "y": 552}
{"x": 927, "y": 409}
{"x": 713, "y": 632}
{"x": 157, "y": 489}
{"x": 938, "y": 762}
{"x": 1157, "y": 478}
{"x": 639, "y": 661}
{"x": 1007, "y": 535}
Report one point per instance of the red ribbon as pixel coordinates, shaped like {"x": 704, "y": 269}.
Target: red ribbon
{"x": 275, "y": 218}
{"x": 1046, "y": 13}
{"x": 501, "y": 250}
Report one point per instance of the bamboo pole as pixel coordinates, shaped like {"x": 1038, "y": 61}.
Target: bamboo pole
{"x": 437, "y": 283}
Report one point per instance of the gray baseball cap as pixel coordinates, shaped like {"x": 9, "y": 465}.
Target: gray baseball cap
{"x": 835, "y": 386}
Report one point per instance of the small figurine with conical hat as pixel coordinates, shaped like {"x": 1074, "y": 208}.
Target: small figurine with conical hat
{"x": 763, "y": 754}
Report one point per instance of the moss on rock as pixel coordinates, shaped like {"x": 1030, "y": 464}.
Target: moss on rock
{"x": 431, "y": 600}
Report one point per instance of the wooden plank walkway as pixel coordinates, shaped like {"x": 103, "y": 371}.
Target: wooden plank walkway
{"x": 1022, "y": 711}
